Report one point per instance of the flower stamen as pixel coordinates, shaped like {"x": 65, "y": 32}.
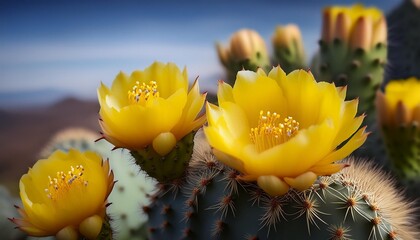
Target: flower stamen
{"x": 271, "y": 131}
{"x": 63, "y": 182}
{"x": 141, "y": 93}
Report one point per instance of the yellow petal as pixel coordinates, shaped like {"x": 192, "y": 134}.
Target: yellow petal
{"x": 255, "y": 93}
{"x": 329, "y": 169}
{"x": 290, "y": 158}
{"x": 224, "y": 92}
{"x": 356, "y": 141}
{"x": 189, "y": 121}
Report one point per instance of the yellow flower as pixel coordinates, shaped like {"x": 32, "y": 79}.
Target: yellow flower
{"x": 283, "y": 130}
{"x": 150, "y": 107}
{"x": 361, "y": 27}
{"x": 400, "y": 104}
{"x": 65, "y": 195}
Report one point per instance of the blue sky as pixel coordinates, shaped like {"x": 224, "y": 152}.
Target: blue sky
{"x": 73, "y": 45}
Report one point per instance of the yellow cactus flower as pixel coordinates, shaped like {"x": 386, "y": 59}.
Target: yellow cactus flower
{"x": 400, "y": 105}
{"x": 283, "y": 131}
{"x": 65, "y": 195}
{"x": 150, "y": 107}
{"x": 361, "y": 27}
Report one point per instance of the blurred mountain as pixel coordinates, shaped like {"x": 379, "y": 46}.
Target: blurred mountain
{"x": 25, "y": 131}
{"x": 27, "y": 99}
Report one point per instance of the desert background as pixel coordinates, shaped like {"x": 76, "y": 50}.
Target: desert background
{"x": 54, "y": 54}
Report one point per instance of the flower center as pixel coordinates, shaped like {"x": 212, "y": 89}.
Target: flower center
{"x": 272, "y": 130}
{"x": 63, "y": 182}
{"x": 141, "y": 93}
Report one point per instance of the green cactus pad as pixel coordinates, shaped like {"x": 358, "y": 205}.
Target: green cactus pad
{"x": 169, "y": 167}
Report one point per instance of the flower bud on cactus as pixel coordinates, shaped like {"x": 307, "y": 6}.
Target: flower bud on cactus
{"x": 353, "y": 53}
{"x": 288, "y": 48}
{"x": 399, "y": 117}
{"x": 247, "y": 50}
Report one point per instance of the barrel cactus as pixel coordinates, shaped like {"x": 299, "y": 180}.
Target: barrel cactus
{"x": 212, "y": 202}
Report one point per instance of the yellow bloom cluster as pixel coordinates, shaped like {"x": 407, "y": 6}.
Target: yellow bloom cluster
{"x": 150, "y": 107}
{"x": 283, "y": 131}
{"x": 361, "y": 27}
{"x": 400, "y": 104}
{"x": 65, "y": 195}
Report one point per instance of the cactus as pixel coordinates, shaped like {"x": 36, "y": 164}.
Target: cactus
{"x": 288, "y": 48}
{"x": 211, "y": 203}
{"x": 125, "y": 220}
{"x": 404, "y": 38}
{"x": 353, "y": 52}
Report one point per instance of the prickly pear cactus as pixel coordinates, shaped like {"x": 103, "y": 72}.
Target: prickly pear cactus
{"x": 404, "y": 34}
{"x": 129, "y": 192}
{"x": 211, "y": 203}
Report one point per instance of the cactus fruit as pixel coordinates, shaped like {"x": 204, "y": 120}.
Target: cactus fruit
{"x": 288, "y": 48}
{"x": 168, "y": 167}
{"x": 404, "y": 38}
{"x": 247, "y": 51}
{"x": 360, "y": 202}
{"x": 129, "y": 192}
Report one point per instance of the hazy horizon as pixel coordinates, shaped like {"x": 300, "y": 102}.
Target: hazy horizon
{"x": 73, "y": 46}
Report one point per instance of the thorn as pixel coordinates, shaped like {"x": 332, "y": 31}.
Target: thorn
{"x": 108, "y": 204}
{"x": 165, "y": 224}
{"x": 97, "y": 140}
{"x": 166, "y": 209}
